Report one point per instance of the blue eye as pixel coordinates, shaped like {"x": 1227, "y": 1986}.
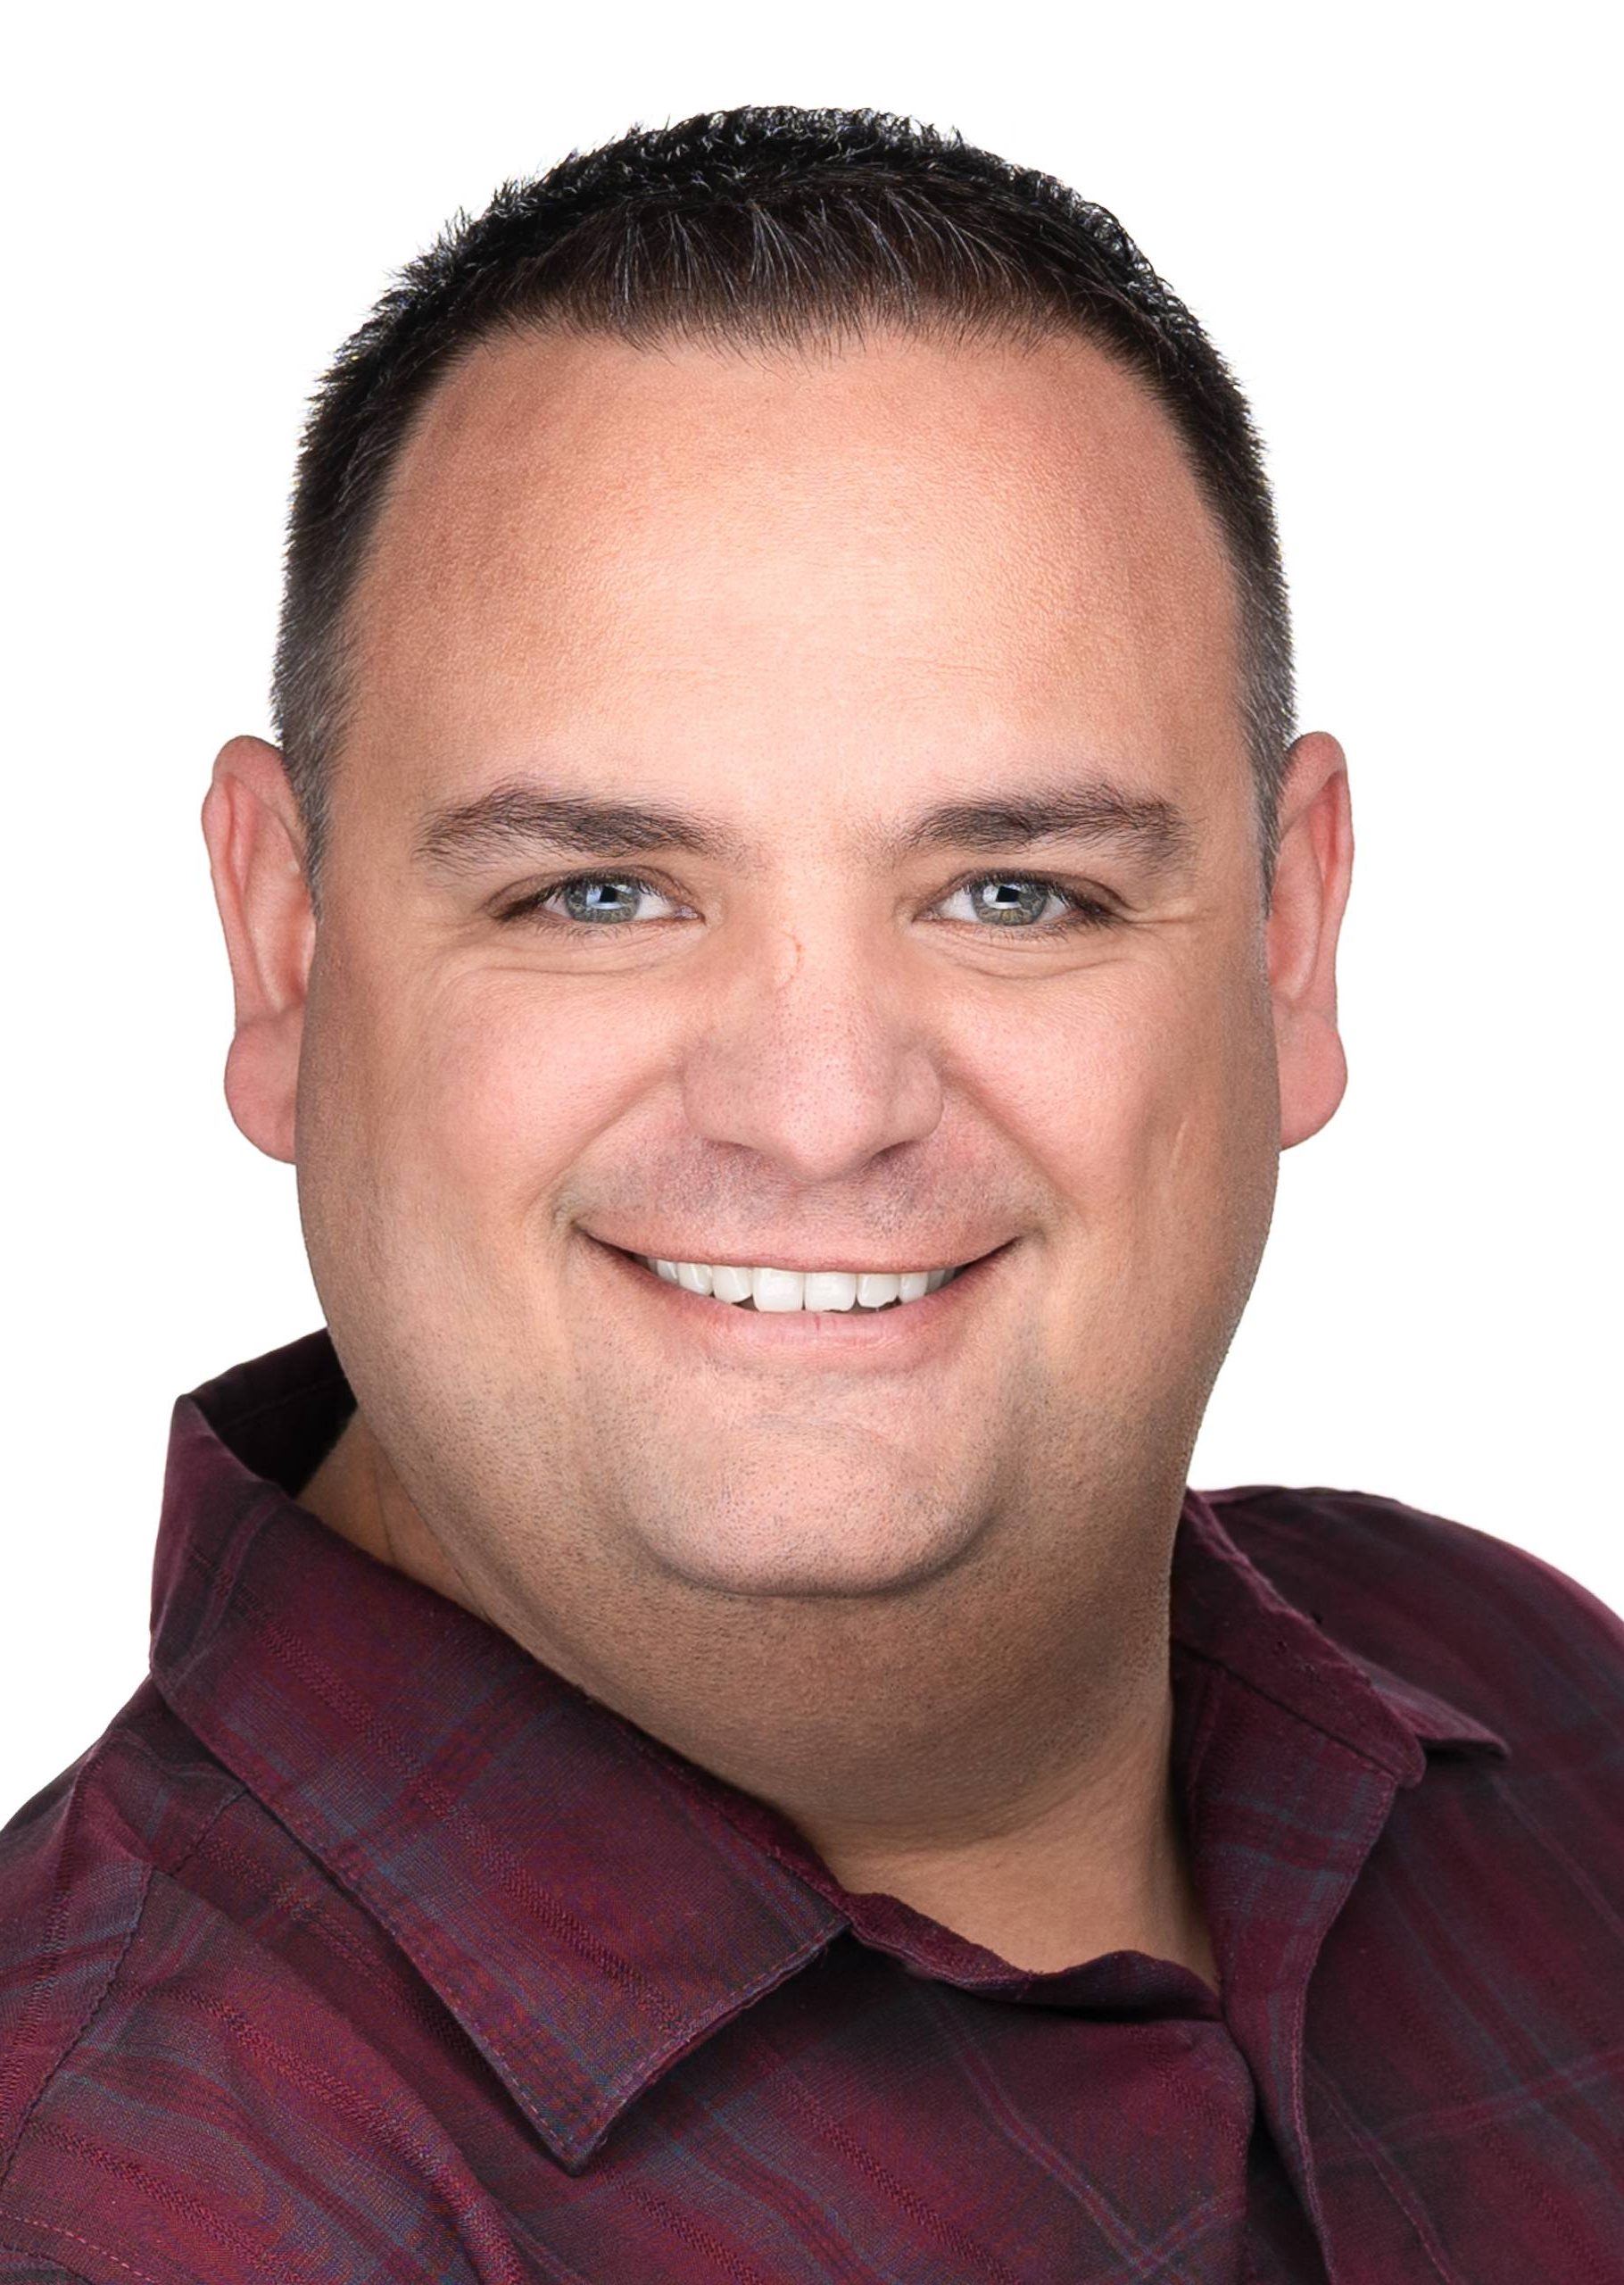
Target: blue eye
{"x": 1010, "y": 905}
{"x": 1020, "y": 904}
{"x": 594, "y": 901}
{"x": 600, "y": 900}
{"x": 1019, "y": 900}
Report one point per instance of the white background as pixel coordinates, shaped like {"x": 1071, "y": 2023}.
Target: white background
{"x": 1392, "y": 220}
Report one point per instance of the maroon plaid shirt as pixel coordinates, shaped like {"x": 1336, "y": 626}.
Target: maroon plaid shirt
{"x": 362, "y": 1948}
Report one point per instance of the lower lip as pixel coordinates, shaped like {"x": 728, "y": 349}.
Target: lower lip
{"x": 901, "y": 1334}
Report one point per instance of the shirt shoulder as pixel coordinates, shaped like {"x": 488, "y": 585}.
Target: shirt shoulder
{"x": 76, "y": 1863}
{"x": 1481, "y": 1624}
{"x": 194, "y": 2019}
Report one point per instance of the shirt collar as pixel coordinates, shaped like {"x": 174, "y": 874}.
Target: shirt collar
{"x": 1294, "y": 1750}
{"x": 1226, "y": 1611}
{"x": 588, "y": 1905}
{"x": 582, "y": 1915}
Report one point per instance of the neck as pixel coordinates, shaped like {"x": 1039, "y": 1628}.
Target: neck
{"x": 1026, "y": 1804}
{"x": 1095, "y": 1861}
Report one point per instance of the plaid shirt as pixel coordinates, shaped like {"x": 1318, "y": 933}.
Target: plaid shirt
{"x": 363, "y": 1948}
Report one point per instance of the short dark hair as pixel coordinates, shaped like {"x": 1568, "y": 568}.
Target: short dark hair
{"x": 766, "y": 225}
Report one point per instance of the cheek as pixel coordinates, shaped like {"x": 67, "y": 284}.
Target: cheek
{"x": 1145, "y": 1092}
{"x": 440, "y": 1120}
{"x": 506, "y": 1079}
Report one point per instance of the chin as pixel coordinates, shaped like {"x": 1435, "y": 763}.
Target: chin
{"x": 807, "y": 1549}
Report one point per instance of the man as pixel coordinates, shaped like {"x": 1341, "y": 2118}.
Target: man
{"x": 696, "y": 1729}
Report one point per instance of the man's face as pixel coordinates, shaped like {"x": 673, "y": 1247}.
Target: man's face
{"x": 849, "y": 627}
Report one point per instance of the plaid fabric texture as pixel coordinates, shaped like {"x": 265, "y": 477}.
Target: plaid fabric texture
{"x": 362, "y": 1948}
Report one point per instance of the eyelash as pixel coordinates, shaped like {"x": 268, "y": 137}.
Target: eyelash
{"x": 1086, "y": 911}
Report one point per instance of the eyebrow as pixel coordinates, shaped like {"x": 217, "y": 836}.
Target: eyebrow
{"x": 1093, "y": 810}
{"x": 521, "y": 815}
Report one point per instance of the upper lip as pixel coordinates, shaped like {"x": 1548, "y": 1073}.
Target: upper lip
{"x": 865, "y": 1264}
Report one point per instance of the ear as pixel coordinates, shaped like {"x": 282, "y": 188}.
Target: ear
{"x": 256, "y": 858}
{"x": 1311, "y": 884}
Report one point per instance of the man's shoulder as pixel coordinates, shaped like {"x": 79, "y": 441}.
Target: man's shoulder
{"x": 77, "y": 1865}
{"x": 1485, "y": 1625}
{"x": 193, "y": 2015}
{"x": 112, "y": 1965}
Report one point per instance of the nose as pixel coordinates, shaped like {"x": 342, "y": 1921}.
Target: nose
{"x": 814, "y": 1057}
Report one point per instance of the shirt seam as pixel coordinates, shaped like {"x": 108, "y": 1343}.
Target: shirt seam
{"x": 70, "y": 2237}
{"x": 766, "y": 1843}
{"x": 1206, "y": 1729}
{"x": 239, "y": 1791}
{"x": 1283, "y": 1706}
{"x": 618, "y": 2092}
{"x": 55, "y": 1943}
{"x": 1378, "y": 2159}
{"x": 54, "y": 2072}
{"x": 56, "y": 2069}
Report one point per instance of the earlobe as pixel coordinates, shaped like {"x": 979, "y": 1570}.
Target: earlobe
{"x": 1311, "y": 885}
{"x": 256, "y": 840}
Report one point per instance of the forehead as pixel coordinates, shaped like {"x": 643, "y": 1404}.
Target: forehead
{"x": 683, "y": 560}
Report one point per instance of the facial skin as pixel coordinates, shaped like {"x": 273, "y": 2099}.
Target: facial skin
{"x": 903, "y": 1574}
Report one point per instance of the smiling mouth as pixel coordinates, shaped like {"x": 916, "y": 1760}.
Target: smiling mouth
{"x": 782, "y": 1292}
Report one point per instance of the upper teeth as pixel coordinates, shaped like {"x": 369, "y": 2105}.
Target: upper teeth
{"x": 802, "y": 1288}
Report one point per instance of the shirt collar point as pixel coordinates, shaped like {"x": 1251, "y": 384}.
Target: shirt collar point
{"x": 1227, "y": 1610}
